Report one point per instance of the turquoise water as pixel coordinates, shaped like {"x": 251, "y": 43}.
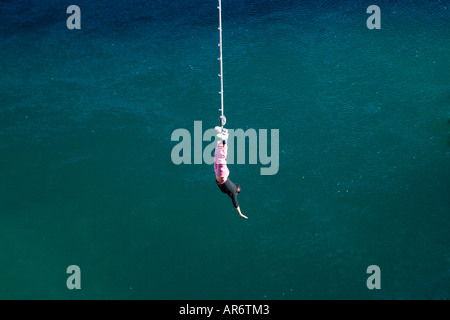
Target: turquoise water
{"x": 86, "y": 118}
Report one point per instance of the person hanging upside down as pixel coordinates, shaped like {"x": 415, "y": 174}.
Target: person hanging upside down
{"x": 222, "y": 172}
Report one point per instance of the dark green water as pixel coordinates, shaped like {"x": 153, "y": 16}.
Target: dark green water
{"x": 87, "y": 179}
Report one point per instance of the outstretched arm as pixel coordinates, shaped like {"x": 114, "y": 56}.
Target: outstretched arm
{"x": 240, "y": 213}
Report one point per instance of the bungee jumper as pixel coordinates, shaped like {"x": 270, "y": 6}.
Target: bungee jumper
{"x": 220, "y": 154}
{"x": 222, "y": 172}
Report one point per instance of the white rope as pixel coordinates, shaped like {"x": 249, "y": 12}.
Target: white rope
{"x": 221, "y": 57}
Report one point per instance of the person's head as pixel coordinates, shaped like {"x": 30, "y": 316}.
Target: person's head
{"x": 238, "y": 189}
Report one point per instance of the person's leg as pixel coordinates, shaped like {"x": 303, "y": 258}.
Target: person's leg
{"x": 220, "y": 155}
{"x": 222, "y": 134}
{"x": 220, "y": 161}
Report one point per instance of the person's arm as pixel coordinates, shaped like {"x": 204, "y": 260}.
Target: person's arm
{"x": 240, "y": 213}
{"x": 236, "y": 205}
